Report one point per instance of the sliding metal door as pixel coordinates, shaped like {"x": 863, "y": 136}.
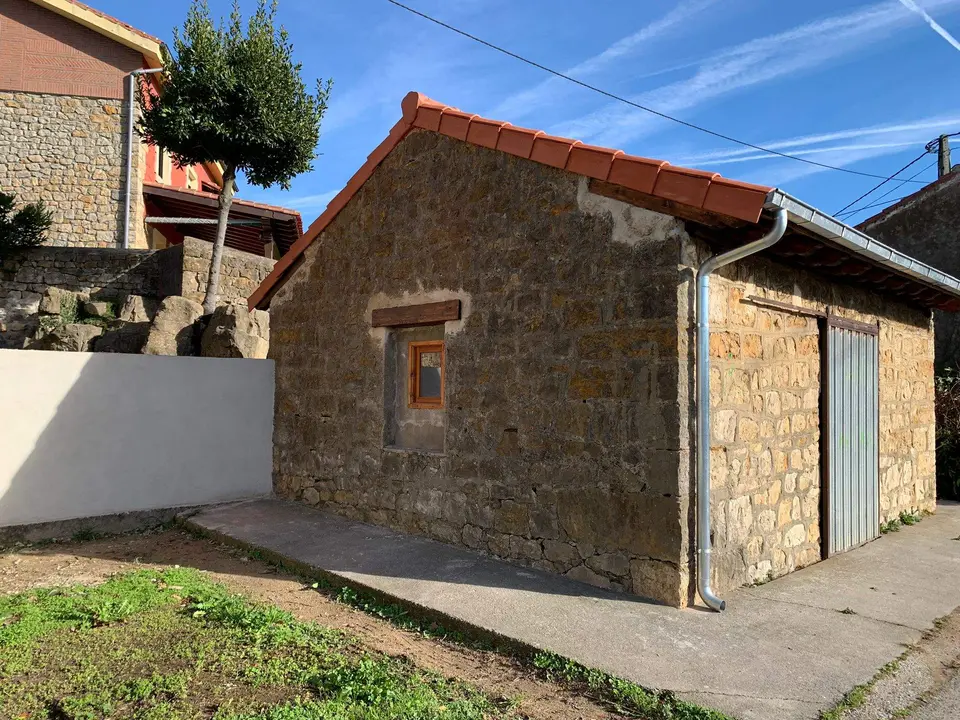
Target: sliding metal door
{"x": 851, "y": 488}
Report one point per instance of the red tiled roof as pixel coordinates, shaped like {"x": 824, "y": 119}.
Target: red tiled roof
{"x": 170, "y": 202}
{"x": 236, "y": 201}
{"x": 696, "y": 188}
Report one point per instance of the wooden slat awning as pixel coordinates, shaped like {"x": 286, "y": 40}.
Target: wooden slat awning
{"x": 283, "y": 224}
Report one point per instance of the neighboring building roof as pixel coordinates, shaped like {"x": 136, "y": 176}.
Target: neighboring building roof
{"x": 701, "y": 191}
{"x": 285, "y": 224}
{"x": 934, "y": 188}
{"x": 107, "y": 26}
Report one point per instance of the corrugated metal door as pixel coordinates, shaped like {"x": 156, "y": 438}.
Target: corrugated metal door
{"x": 851, "y": 418}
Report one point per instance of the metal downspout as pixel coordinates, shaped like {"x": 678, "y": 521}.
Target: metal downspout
{"x": 703, "y": 398}
{"x": 131, "y": 103}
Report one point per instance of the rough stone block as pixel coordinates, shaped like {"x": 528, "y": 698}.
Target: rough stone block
{"x": 138, "y": 309}
{"x": 172, "y": 330}
{"x": 97, "y": 308}
{"x": 76, "y": 337}
{"x": 234, "y": 331}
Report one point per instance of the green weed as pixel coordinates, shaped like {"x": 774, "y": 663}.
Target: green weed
{"x": 174, "y": 646}
{"x": 624, "y": 697}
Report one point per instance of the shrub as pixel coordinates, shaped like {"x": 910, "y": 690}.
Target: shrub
{"x": 21, "y": 230}
{"x": 948, "y": 435}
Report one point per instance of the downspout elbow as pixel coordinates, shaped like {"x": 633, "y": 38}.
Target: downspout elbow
{"x": 707, "y": 268}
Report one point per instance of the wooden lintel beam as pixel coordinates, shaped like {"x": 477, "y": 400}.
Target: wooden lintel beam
{"x": 414, "y": 315}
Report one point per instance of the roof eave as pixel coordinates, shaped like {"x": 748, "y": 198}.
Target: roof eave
{"x": 808, "y": 217}
{"x": 108, "y": 27}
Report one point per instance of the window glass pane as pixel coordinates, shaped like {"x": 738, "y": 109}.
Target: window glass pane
{"x": 430, "y": 375}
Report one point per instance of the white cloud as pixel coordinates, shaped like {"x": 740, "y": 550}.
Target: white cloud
{"x": 300, "y": 202}
{"x": 758, "y": 61}
{"x": 937, "y": 27}
{"x": 894, "y": 135}
{"x": 526, "y": 101}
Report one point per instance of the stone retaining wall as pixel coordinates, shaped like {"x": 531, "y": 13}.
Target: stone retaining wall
{"x": 104, "y": 273}
{"x": 110, "y": 274}
{"x": 240, "y": 273}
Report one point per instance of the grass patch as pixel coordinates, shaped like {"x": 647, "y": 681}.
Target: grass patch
{"x": 149, "y": 645}
{"x": 858, "y": 696}
{"x": 621, "y": 696}
{"x": 904, "y": 518}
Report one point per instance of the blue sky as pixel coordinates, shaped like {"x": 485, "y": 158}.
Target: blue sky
{"x": 863, "y": 85}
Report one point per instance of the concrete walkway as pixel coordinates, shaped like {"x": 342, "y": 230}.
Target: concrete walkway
{"x": 783, "y": 650}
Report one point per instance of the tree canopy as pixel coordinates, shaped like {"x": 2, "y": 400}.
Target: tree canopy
{"x": 235, "y": 98}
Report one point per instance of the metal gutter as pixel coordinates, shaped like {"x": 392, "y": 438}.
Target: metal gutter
{"x": 703, "y": 397}
{"x": 849, "y": 238}
{"x": 128, "y": 184}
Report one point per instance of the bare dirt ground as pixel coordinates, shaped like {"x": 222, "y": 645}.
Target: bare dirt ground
{"x": 924, "y": 683}
{"x": 91, "y": 562}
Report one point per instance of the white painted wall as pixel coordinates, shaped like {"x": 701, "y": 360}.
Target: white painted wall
{"x": 86, "y": 434}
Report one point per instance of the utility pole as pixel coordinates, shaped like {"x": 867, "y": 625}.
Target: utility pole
{"x": 943, "y": 153}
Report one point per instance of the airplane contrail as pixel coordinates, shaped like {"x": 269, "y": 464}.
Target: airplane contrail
{"x": 937, "y": 27}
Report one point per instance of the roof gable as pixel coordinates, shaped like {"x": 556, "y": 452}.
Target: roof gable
{"x": 695, "y": 188}
{"x": 109, "y": 27}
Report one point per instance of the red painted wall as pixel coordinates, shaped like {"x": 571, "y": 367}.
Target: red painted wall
{"x": 177, "y": 177}
{"x": 43, "y": 52}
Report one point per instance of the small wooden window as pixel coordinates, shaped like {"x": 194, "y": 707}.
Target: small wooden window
{"x": 426, "y": 374}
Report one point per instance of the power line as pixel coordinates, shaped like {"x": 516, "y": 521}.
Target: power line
{"x": 877, "y": 204}
{"x": 624, "y": 100}
{"x": 878, "y": 200}
{"x": 877, "y": 187}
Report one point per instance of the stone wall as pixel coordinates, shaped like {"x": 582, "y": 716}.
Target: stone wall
{"x": 562, "y": 444}
{"x": 69, "y": 152}
{"x": 240, "y": 273}
{"x": 765, "y": 401}
{"x": 104, "y": 273}
{"x": 110, "y": 273}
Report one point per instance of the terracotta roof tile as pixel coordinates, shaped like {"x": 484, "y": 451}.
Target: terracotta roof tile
{"x": 703, "y": 190}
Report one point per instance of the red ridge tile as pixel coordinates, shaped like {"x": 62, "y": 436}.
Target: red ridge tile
{"x": 682, "y": 185}
{"x": 592, "y": 161}
{"x": 455, "y": 123}
{"x": 636, "y": 173}
{"x": 552, "y": 151}
{"x": 704, "y": 190}
{"x": 517, "y": 141}
{"x": 740, "y": 200}
{"x": 485, "y": 133}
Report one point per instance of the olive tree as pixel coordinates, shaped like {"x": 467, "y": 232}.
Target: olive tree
{"x": 233, "y": 95}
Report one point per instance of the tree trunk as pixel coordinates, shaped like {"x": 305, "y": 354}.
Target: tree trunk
{"x": 213, "y": 279}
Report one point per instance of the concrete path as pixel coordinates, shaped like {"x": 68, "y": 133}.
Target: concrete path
{"x": 783, "y": 650}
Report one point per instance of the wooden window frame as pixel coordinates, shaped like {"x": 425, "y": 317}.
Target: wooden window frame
{"x": 414, "y": 351}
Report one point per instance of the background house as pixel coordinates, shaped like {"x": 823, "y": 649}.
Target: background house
{"x": 64, "y": 104}
{"x": 487, "y": 338}
{"x": 926, "y": 225}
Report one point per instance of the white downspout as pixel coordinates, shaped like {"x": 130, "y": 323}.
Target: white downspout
{"x": 131, "y": 104}
{"x": 703, "y": 398}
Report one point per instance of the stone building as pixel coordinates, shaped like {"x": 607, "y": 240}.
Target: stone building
{"x": 65, "y": 72}
{"x": 488, "y": 338}
{"x": 925, "y": 225}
